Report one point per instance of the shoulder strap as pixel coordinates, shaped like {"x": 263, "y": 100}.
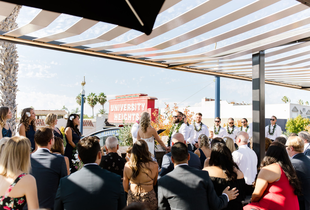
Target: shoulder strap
{"x": 13, "y": 184}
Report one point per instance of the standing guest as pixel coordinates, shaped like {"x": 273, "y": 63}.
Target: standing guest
{"x": 27, "y": 125}
{"x": 189, "y": 133}
{"x": 224, "y": 172}
{"x": 188, "y": 188}
{"x": 51, "y": 120}
{"x": 73, "y": 136}
{"x": 134, "y": 130}
{"x": 305, "y": 136}
{"x": 91, "y": 187}
{"x": 178, "y": 126}
{"x": 277, "y": 184}
{"x": 14, "y": 166}
{"x": 5, "y": 114}
{"x": 301, "y": 164}
{"x": 230, "y": 144}
{"x": 199, "y": 128}
{"x": 46, "y": 167}
{"x": 246, "y": 160}
{"x": 273, "y": 130}
{"x": 167, "y": 165}
{"x": 218, "y": 131}
{"x": 203, "y": 150}
{"x": 281, "y": 139}
{"x": 112, "y": 161}
{"x": 149, "y": 134}
{"x": 58, "y": 149}
{"x": 142, "y": 173}
{"x": 246, "y": 127}
{"x": 231, "y": 129}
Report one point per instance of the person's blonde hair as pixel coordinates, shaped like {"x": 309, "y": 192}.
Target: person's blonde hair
{"x": 15, "y": 156}
{"x": 3, "y": 141}
{"x": 50, "y": 119}
{"x": 204, "y": 141}
{"x": 296, "y": 142}
{"x": 230, "y": 143}
{"x": 4, "y": 110}
{"x": 145, "y": 121}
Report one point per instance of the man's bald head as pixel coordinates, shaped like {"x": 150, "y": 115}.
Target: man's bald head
{"x": 243, "y": 137}
{"x": 178, "y": 137}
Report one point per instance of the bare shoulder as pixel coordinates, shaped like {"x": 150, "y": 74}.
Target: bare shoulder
{"x": 68, "y": 130}
{"x": 270, "y": 173}
{"x": 28, "y": 180}
{"x": 239, "y": 173}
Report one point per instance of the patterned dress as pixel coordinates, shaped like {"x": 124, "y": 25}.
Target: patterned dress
{"x": 8, "y": 203}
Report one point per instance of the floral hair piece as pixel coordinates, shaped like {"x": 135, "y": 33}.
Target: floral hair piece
{"x": 71, "y": 118}
{"x": 28, "y": 114}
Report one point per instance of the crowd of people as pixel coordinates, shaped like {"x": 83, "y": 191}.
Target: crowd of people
{"x": 200, "y": 170}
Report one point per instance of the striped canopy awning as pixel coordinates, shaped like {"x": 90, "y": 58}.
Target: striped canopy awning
{"x": 215, "y": 37}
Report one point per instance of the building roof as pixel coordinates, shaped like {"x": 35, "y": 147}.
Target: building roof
{"x": 46, "y": 112}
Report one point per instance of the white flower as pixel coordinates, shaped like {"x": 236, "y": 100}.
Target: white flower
{"x": 71, "y": 118}
{"x": 76, "y": 156}
{"x": 28, "y": 114}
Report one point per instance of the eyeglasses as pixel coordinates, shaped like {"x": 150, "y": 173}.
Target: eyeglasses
{"x": 217, "y": 121}
{"x": 272, "y": 119}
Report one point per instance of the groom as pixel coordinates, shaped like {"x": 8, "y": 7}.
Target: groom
{"x": 178, "y": 126}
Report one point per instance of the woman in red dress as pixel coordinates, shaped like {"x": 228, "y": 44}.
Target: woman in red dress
{"x": 277, "y": 185}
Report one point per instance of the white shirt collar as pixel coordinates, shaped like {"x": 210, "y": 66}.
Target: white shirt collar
{"x": 305, "y": 146}
{"x": 181, "y": 164}
{"x": 90, "y": 164}
{"x": 243, "y": 146}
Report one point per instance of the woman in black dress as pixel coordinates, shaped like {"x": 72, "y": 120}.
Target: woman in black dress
{"x": 224, "y": 172}
{"x": 27, "y": 126}
{"x": 73, "y": 136}
{"x": 51, "y": 120}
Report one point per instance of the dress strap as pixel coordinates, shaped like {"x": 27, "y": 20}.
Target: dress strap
{"x": 13, "y": 184}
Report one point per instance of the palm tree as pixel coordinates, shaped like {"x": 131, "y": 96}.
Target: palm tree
{"x": 307, "y": 103}
{"x": 102, "y": 99}
{"x": 9, "y": 67}
{"x": 66, "y": 109}
{"x": 79, "y": 99}
{"x": 92, "y": 100}
{"x": 75, "y": 111}
{"x": 285, "y": 99}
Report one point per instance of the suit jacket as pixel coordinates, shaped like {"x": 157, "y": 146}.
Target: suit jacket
{"x": 307, "y": 150}
{"x": 90, "y": 188}
{"x": 48, "y": 169}
{"x": 167, "y": 165}
{"x": 188, "y": 188}
{"x": 301, "y": 163}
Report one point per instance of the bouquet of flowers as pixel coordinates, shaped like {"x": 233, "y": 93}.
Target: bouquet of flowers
{"x": 77, "y": 163}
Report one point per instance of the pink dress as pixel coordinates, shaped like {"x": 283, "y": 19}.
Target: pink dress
{"x": 278, "y": 195}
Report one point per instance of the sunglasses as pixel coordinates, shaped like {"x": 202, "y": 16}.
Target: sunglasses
{"x": 231, "y": 123}
{"x": 272, "y": 119}
{"x": 243, "y": 121}
{"x": 217, "y": 121}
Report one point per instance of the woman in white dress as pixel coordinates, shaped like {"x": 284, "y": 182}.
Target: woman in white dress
{"x": 149, "y": 134}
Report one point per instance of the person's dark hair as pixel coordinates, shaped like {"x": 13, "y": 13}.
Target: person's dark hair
{"x": 88, "y": 149}
{"x": 71, "y": 125}
{"x": 139, "y": 155}
{"x": 181, "y": 113}
{"x": 267, "y": 143}
{"x": 43, "y": 136}
{"x": 231, "y": 119}
{"x": 281, "y": 139}
{"x": 58, "y": 145}
{"x": 218, "y": 118}
{"x": 25, "y": 119}
{"x": 277, "y": 153}
{"x": 274, "y": 117}
{"x": 293, "y": 134}
{"x": 199, "y": 114}
{"x": 4, "y": 110}
{"x": 217, "y": 140}
{"x": 179, "y": 152}
{"x": 221, "y": 157}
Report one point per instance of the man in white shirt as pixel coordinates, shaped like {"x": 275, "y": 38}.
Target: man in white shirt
{"x": 273, "y": 130}
{"x": 217, "y": 130}
{"x": 178, "y": 126}
{"x": 245, "y": 127}
{"x": 231, "y": 129}
{"x": 189, "y": 134}
{"x": 305, "y": 136}
{"x": 246, "y": 159}
{"x": 134, "y": 131}
{"x": 198, "y": 129}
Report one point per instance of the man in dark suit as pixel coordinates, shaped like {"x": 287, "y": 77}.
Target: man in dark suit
{"x": 301, "y": 164}
{"x": 189, "y": 188}
{"x": 305, "y": 136}
{"x": 91, "y": 187}
{"x": 47, "y": 168}
{"x": 167, "y": 165}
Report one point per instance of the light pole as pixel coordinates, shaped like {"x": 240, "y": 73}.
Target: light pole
{"x": 82, "y": 106}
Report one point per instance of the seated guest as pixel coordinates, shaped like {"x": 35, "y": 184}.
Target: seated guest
{"x": 203, "y": 150}
{"x": 230, "y": 144}
{"x": 305, "y": 136}
{"x": 112, "y": 161}
{"x": 217, "y": 140}
{"x": 46, "y": 167}
{"x": 281, "y": 139}
{"x": 142, "y": 173}
{"x": 58, "y": 148}
{"x": 224, "y": 172}
{"x": 301, "y": 164}
{"x": 91, "y": 187}
{"x": 267, "y": 143}
{"x": 17, "y": 187}
{"x": 189, "y": 188}
{"x": 277, "y": 184}
{"x": 167, "y": 165}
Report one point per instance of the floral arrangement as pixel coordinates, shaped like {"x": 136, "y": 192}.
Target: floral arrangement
{"x": 77, "y": 163}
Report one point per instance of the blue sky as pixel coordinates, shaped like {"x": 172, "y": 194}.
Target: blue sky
{"x": 49, "y": 79}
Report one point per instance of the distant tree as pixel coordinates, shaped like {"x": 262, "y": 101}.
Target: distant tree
{"x": 101, "y": 111}
{"x": 66, "y": 109}
{"x": 92, "y": 100}
{"x": 285, "y": 99}
{"x": 79, "y": 99}
{"x": 102, "y": 99}
{"x": 76, "y": 111}
{"x": 307, "y": 103}
{"x": 301, "y": 102}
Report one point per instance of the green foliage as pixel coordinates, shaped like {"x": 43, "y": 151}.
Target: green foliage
{"x": 297, "y": 124}
{"x": 102, "y": 111}
{"x": 285, "y": 99}
{"x": 102, "y": 99}
{"x": 66, "y": 109}
{"x": 76, "y": 111}
{"x": 125, "y": 135}
{"x": 307, "y": 102}
{"x": 301, "y": 102}
{"x": 92, "y": 100}
{"x": 79, "y": 99}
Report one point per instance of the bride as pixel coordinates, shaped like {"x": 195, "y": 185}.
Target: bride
{"x": 149, "y": 134}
